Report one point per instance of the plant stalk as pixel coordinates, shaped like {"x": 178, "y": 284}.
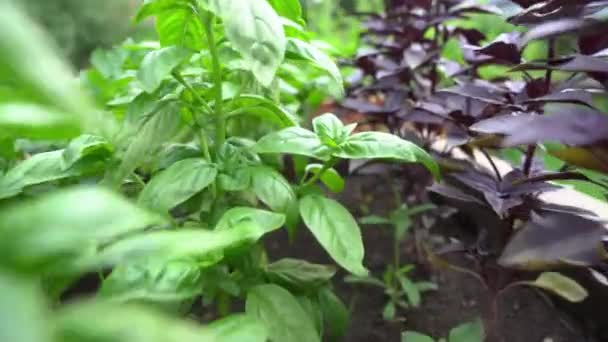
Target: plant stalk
{"x": 220, "y": 120}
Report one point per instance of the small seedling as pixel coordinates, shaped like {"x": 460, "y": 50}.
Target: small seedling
{"x": 403, "y": 292}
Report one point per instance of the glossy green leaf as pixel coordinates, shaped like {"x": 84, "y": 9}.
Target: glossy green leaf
{"x": 153, "y": 280}
{"x": 40, "y": 168}
{"x": 109, "y": 62}
{"x": 372, "y": 145}
{"x": 312, "y": 309}
{"x": 176, "y": 184}
{"x": 261, "y": 107}
{"x": 560, "y": 285}
{"x": 254, "y": 29}
{"x": 184, "y": 243}
{"x": 336, "y": 230}
{"x": 280, "y": 312}
{"x": 335, "y": 315}
{"x": 22, "y": 311}
{"x": 412, "y": 336}
{"x": 65, "y": 225}
{"x": 299, "y": 49}
{"x": 330, "y": 177}
{"x": 294, "y": 140}
{"x": 31, "y": 121}
{"x": 158, "y": 65}
{"x": 124, "y": 323}
{"x": 177, "y": 23}
{"x": 86, "y": 146}
{"x": 468, "y": 332}
{"x": 299, "y": 274}
{"x": 265, "y": 220}
{"x": 161, "y": 126}
{"x": 173, "y": 153}
{"x": 290, "y": 9}
{"x": 238, "y": 328}
{"x": 272, "y": 188}
{"x": 330, "y": 130}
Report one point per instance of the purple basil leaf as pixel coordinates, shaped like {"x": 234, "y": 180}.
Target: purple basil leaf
{"x": 571, "y": 125}
{"x": 505, "y": 48}
{"x": 575, "y": 96}
{"x": 553, "y": 239}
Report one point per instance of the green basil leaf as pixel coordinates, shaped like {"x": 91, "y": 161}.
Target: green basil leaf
{"x": 331, "y": 178}
{"x": 85, "y": 146}
{"x": 109, "y": 62}
{"x": 161, "y": 125}
{"x": 158, "y": 65}
{"x": 412, "y": 336}
{"x": 21, "y": 301}
{"x": 39, "y": 169}
{"x": 272, "y": 188}
{"x": 335, "y": 314}
{"x": 560, "y": 285}
{"x": 154, "y": 281}
{"x": 31, "y": 121}
{"x": 330, "y": 129}
{"x": 371, "y": 145}
{"x": 411, "y": 290}
{"x": 290, "y": 9}
{"x": 293, "y": 140}
{"x": 299, "y": 275}
{"x": 280, "y": 312}
{"x": 336, "y": 230}
{"x": 123, "y": 323}
{"x": 238, "y": 328}
{"x": 300, "y": 50}
{"x": 174, "y": 153}
{"x": 265, "y": 220}
{"x": 176, "y": 184}
{"x": 262, "y": 108}
{"x": 256, "y": 32}
{"x": 468, "y": 332}
{"x": 55, "y": 228}
{"x": 313, "y": 310}
{"x": 186, "y": 243}
{"x": 177, "y": 23}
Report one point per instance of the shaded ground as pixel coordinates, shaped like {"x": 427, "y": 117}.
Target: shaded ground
{"x": 524, "y": 315}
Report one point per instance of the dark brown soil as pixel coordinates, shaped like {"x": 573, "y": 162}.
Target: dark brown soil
{"x": 524, "y": 314}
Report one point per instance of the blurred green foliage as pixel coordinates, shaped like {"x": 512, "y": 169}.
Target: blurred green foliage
{"x": 333, "y": 22}
{"x": 80, "y": 26}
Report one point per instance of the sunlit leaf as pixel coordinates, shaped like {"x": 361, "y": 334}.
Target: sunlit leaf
{"x": 372, "y": 145}
{"x": 294, "y": 140}
{"x": 299, "y": 274}
{"x": 158, "y": 65}
{"x": 176, "y": 184}
{"x": 282, "y": 315}
{"x": 255, "y": 31}
{"x": 561, "y": 286}
{"x": 68, "y": 224}
{"x": 336, "y": 230}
